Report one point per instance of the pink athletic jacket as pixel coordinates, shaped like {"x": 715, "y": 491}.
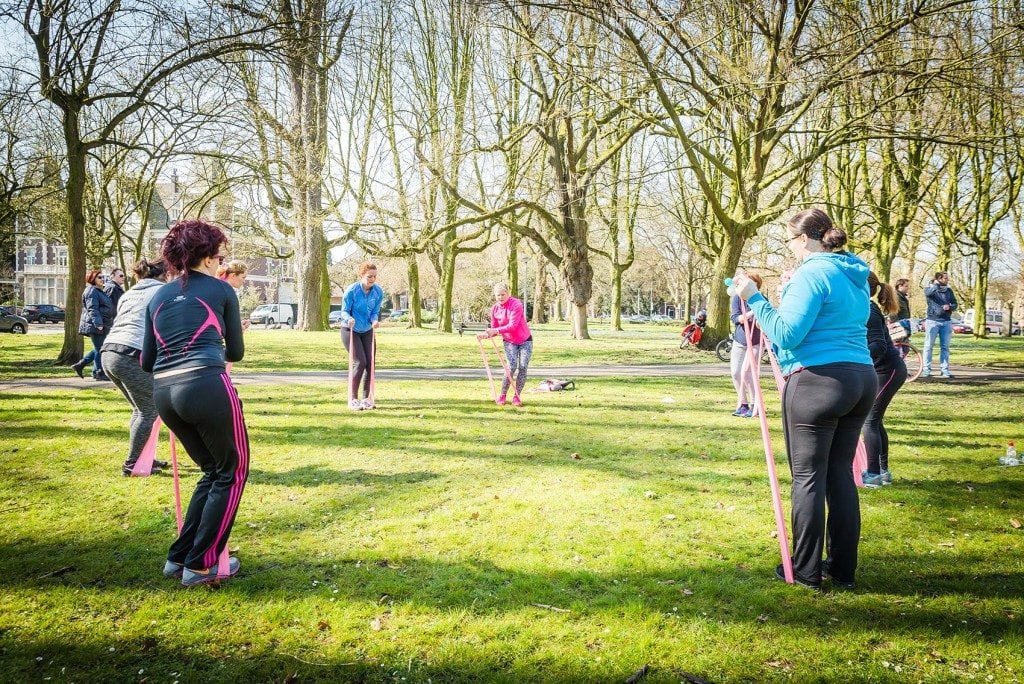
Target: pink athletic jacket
{"x": 510, "y": 321}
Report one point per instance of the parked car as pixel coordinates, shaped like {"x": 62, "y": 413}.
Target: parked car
{"x": 12, "y": 322}
{"x": 639, "y": 318}
{"x": 272, "y": 314}
{"x": 398, "y": 313}
{"x": 334, "y": 319}
{"x": 962, "y": 328}
{"x": 661, "y": 318}
{"x": 43, "y": 313}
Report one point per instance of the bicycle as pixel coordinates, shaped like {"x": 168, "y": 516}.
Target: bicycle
{"x": 912, "y": 357}
{"x": 724, "y": 350}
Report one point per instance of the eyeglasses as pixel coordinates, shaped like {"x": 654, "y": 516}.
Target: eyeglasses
{"x": 793, "y": 237}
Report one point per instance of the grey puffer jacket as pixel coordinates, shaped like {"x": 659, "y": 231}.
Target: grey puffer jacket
{"x": 130, "y": 325}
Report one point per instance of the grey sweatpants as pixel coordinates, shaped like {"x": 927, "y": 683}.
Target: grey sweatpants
{"x": 137, "y": 387}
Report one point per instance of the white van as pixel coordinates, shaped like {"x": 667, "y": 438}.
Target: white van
{"x": 272, "y": 315}
{"x": 993, "y": 322}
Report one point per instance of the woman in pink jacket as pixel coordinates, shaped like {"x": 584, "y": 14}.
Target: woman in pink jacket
{"x": 508, "y": 319}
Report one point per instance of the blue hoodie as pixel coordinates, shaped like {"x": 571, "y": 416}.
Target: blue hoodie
{"x": 823, "y": 315}
{"x": 361, "y": 305}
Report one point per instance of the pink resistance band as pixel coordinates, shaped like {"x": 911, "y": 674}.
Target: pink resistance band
{"x": 769, "y": 454}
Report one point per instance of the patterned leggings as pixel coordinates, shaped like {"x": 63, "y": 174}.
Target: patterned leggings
{"x": 518, "y": 356}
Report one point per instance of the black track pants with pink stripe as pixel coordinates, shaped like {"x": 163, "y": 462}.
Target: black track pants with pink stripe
{"x": 202, "y": 409}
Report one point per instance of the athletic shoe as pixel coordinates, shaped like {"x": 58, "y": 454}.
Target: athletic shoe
{"x": 501, "y": 400}
{"x": 750, "y": 413}
{"x": 947, "y": 375}
{"x": 871, "y": 480}
{"x": 190, "y": 578}
{"x": 781, "y": 574}
{"x": 78, "y": 366}
{"x": 825, "y": 566}
{"x": 101, "y": 377}
{"x": 355, "y": 404}
{"x": 926, "y": 374}
{"x": 741, "y": 412}
{"x": 160, "y": 464}
{"x": 886, "y": 477}
{"x": 172, "y": 569}
{"x": 368, "y": 404}
{"x": 516, "y": 401}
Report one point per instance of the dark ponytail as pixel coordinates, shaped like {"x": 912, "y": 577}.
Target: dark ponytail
{"x": 189, "y": 242}
{"x": 816, "y": 225}
{"x": 150, "y": 269}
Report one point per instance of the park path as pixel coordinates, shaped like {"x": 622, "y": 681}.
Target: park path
{"x": 240, "y": 377}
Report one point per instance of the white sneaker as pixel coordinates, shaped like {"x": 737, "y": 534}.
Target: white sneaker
{"x": 368, "y": 404}
{"x": 355, "y": 404}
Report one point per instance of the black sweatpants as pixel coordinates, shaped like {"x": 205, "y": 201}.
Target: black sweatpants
{"x": 823, "y": 410}
{"x": 202, "y": 409}
{"x": 362, "y": 354}
{"x": 876, "y": 439}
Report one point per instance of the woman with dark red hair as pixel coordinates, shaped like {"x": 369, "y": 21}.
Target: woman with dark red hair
{"x": 192, "y": 326}
{"x": 97, "y": 317}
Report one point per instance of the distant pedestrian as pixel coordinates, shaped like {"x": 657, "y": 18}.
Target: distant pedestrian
{"x": 508, "y": 319}
{"x": 115, "y": 287}
{"x": 234, "y": 273}
{"x": 938, "y": 323}
{"x": 892, "y": 374}
{"x": 902, "y": 316}
{"x": 95, "y": 321}
{"x": 360, "y": 314}
{"x": 121, "y": 352}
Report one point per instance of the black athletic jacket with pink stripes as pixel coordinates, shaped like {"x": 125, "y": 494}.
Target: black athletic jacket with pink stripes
{"x": 192, "y": 324}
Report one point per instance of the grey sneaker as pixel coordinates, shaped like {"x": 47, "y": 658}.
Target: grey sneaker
{"x": 368, "y": 404}
{"x": 926, "y": 374}
{"x": 886, "y": 477}
{"x": 190, "y": 578}
{"x": 871, "y": 480}
{"x": 172, "y": 569}
{"x": 355, "y": 404}
{"x": 947, "y": 375}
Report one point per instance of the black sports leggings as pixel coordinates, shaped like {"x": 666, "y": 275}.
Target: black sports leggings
{"x": 203, "y": 410}
{"x": 876, "y": 439}
{"x": 362, "y": 354}
{"x": 823, "y": 410}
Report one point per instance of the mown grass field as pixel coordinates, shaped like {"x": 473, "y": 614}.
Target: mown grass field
{"x": 401, "y": 347}
{"x": 441, "y": 539}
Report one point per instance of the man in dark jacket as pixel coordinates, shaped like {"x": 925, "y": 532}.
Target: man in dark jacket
{"x": 902, "y": 286}
{"x": 115, "y": 287}
{"x": 938, "y": 322}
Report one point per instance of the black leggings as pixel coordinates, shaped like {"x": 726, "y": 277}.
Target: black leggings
{"x": 362, "y": 354}
{"x": 202, "y": 409}
{"x": 876, "y": 439}
{"x": 823, "y": 410}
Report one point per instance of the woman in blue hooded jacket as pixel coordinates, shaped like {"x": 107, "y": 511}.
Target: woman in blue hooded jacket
{"x": 819, "y": 330}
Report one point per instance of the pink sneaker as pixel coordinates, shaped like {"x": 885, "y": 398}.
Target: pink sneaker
{"x": 501, "y": 400}
{"x": 516, "y": 401}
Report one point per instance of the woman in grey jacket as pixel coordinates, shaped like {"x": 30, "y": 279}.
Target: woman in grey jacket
{"x": 121, "y": 351}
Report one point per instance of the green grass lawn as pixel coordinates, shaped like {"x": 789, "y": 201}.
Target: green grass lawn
{"x": 442, "y": 539}
{"x": 401, "y": 347}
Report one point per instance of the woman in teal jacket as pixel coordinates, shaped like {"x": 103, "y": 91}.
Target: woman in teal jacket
{"x": 819, "y": 331}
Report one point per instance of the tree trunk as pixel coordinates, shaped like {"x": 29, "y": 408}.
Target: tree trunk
{"x": 718, "y": 327}
{"x": 447, "y": 286}
{"x": 578, "y": 276}
{"x": 616, "y": 305}
{"x": 71, "y": 350}
{"x": 983, "y": 252}
{"x": 512, "y": 265}
{"x": 540, "y": 290}
{"x": 412, "y": 267}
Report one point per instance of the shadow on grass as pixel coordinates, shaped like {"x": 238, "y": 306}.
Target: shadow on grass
{"x": 319, "y": 476}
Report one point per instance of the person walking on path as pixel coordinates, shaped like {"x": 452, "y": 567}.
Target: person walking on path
{"x": 95, "y": 321}
{"x": 360, "y": 314}
{"x": 938, "y": 323}
{"x": 121, "y": 351}
{"x": 819, "y": 331}
{"x": 508, "y": 319}
{"x": 892, "y": 374}
{"x": 192, "y": 327}
{"x": 740, "y": 380}
{"x": 115, "y": 287}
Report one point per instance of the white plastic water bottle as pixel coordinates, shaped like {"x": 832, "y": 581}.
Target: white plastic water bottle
{"x": 1010, "y": 459}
